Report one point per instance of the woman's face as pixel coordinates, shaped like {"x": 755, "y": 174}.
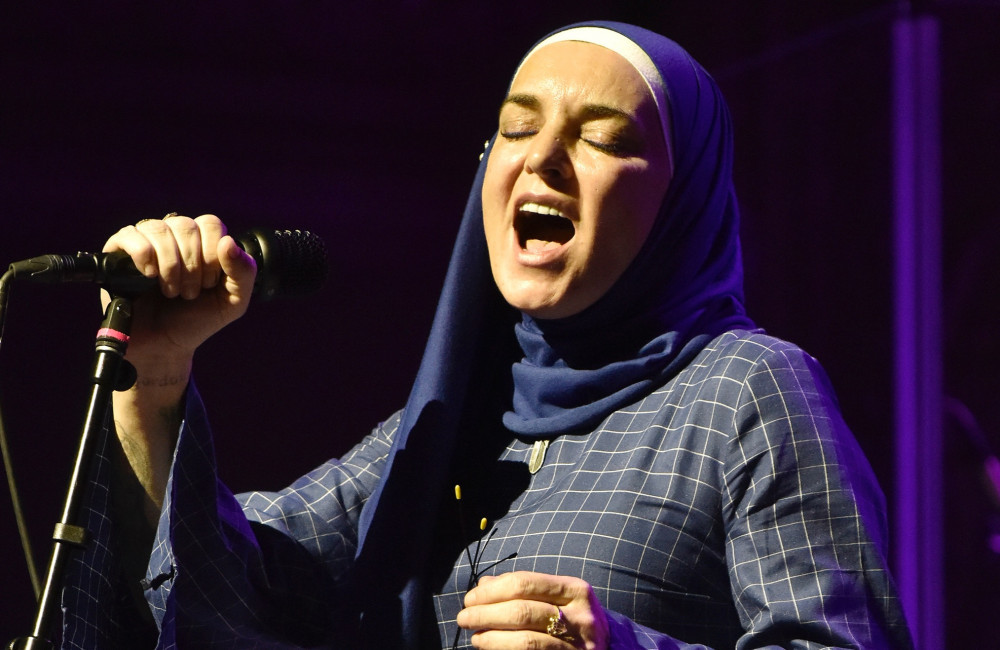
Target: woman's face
{"x": 575, "y": 179}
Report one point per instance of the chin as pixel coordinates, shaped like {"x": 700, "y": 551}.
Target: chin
{"x": 548, "y": 307}
{"x": 543, "y": 298}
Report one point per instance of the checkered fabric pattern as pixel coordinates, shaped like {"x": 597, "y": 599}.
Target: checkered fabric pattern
{"x": 730, "y": 508}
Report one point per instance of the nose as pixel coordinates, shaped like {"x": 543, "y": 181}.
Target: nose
{"x": 547, "y": 156}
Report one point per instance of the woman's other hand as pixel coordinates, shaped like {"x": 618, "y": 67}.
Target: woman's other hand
{"x": 534, "y": 610}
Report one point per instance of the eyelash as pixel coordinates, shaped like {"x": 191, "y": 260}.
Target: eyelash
{"x": 614, "y": 148}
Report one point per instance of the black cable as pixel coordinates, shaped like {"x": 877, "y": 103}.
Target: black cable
{"x": 22, "y": 528}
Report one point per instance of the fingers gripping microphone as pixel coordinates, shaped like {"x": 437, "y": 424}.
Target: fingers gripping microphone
{"x": 289, "y": 263}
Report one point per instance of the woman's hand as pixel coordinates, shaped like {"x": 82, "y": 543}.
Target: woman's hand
{"x": 518, "y": 610}
{"x": 205, "y": 283}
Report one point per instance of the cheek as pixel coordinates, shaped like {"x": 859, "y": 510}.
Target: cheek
{"x": 495, "y": 195}
{"x": 628, "y": 210}
{"x": 501, "y": 172}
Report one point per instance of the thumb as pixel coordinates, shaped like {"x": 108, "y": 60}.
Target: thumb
{"x": 239, "y": 268}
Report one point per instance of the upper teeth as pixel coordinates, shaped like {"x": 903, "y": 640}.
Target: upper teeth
{"x": 541, "y": 209}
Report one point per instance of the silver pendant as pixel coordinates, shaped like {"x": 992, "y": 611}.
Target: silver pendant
{"x": 537, "y": 458}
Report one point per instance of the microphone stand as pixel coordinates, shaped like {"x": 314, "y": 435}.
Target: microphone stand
{"x": 111, "y": 372}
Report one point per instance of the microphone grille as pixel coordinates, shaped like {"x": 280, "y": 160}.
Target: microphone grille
{"x": 294, "y": 262}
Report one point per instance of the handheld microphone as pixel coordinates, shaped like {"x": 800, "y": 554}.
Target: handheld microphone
{"x": 289, "y": 263}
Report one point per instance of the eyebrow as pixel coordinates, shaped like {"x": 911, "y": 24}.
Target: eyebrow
{"x": 521, "y": 99}
{"x": 590, "y": 111}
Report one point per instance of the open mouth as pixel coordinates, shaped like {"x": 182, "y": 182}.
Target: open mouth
{"x": 541, "y": 228}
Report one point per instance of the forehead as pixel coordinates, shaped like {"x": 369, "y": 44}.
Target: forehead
{"x": 569, "y": 69}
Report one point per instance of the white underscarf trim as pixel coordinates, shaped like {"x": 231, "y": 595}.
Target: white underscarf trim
{"x": 631, "y": 52}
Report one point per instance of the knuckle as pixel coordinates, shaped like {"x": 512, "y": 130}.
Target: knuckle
{"x": 124, "y": 232}
{"x": 522, "y": 614}
{"x": 152, "y": 226}
{"x": 183, "y": 227}
{"x": 521, "y": 581}
{"x": 579, "y": 588}
{"x": 585, "y": 620}
{"x": 531, "y": 642}
{"x": 210, "y": 221}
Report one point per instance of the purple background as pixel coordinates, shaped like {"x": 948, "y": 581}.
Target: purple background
{"x": 363, "y": 122}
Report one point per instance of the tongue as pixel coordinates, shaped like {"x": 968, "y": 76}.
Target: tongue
{"x": 539, "y": 245}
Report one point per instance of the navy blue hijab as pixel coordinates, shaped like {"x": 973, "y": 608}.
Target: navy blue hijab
{"x": 684, "y": 288}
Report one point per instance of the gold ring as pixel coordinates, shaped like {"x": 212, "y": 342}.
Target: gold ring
{"x": 170, "y": 214}
{"x": 557, "y": 627}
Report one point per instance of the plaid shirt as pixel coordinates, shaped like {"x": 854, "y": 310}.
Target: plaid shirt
{"x": 730, "y": 508}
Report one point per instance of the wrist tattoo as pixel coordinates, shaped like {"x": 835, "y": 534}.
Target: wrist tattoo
{"x": 161, "y": 381}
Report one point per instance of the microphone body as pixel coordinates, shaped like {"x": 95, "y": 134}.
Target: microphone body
{"x": 289, "y": 262}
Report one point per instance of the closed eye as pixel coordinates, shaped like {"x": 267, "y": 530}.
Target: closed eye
{"x": 516, "y": 135}
{"x": 613, "y": 148}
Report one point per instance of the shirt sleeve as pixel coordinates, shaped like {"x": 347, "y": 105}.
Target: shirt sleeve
{"x": 805, "y": 519}
{"x": 805, "y": 523}
{"x": 260, "y": 569}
